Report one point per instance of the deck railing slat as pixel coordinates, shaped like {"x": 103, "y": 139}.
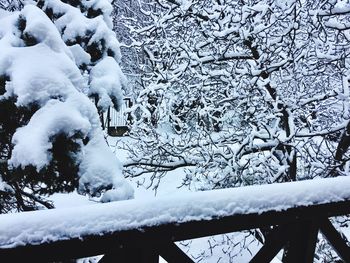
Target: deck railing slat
{"x": 301, "y": 242}
{"x": 274, "y": 242}
{"x": 335, "y": 239}
{"x": 173, "y": 254}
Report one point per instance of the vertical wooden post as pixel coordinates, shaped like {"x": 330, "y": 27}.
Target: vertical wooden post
{"x": 302, "y": 243}
{"x": 131, "y": 255}
{"x": 108, "y": 119}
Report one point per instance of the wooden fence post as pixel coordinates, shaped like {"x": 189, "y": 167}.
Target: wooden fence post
{"x": 302, "y": 242}
{"x": 131, "y": 255}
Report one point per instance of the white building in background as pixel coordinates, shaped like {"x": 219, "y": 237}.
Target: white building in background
{"x": 116, "y": 122}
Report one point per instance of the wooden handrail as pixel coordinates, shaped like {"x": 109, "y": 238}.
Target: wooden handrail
{"x": 294, "y": 227}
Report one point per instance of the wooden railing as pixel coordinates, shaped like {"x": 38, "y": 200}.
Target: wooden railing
{"x": 293, "y": 227}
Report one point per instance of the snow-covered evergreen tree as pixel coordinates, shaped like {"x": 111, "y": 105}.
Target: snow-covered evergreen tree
{"x": 50, "y": 134}
{"x": 86, "y": 28}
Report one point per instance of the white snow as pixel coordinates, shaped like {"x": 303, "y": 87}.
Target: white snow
{"x": 33, "y": 141}
{"x": 52, "y": 225}
{"x": 100, "y": 169}
{"x": 44, "y": 74}
{"x": 64, "y": 200}
{"x": 80, "y": 56}
{"x": 37, "y": 24}
{"x": 4, "y": 13}
{"x": 4, "y": 186}
{"x": 107, "y": 80}
{"x": 76, "y": 27}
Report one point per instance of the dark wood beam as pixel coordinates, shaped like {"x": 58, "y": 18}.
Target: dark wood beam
{"x": 301, "y": 242}
{"x": 157, "y": 235}
{"x": 143, "y": 254}
{"x": 173, "y": 254}
{"x": 335, "y": 240}
{"x": 275, "y": 240}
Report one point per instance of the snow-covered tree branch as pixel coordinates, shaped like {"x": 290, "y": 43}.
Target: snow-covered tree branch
{"x": 248, "y": 93}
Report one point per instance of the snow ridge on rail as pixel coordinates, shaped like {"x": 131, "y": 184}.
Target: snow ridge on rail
{"x": 62, "y": 224}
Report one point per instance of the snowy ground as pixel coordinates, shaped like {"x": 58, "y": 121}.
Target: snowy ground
{"x": 170, "y": 186}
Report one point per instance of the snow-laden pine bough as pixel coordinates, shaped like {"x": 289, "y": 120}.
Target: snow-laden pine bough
{"x": 55, "y": 57}
{"x": 290, "y": 215}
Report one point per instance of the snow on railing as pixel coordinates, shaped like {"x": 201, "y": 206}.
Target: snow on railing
{"x": 156, "y": 219}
